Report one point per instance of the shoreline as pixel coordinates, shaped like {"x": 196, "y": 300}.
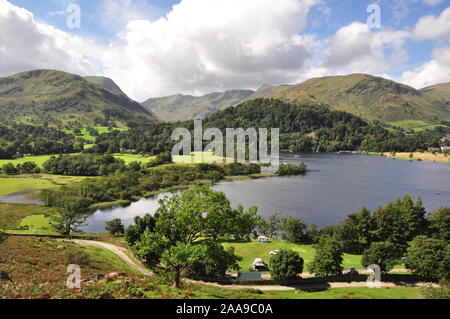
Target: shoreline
{"x": 416, "y": 156}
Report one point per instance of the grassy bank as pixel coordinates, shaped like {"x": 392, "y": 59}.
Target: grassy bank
{"x": 418, "y": 156}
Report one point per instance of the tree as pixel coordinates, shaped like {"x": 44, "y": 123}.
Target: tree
{"x": 294, "y": 230}
{"x": 178, "y": 258}
{"x": 271, "y": 226}
{"x": 184, "y": 239}
{"x": 215, "y": 262}
{"x": 328, "y": 258}
{"x": 440, "y": 223}
{"x": 72, "y": 213}
{"x": 400, "y": 221}
{"x": 245, "y": 222}
{"x": 285, "y": 265}
{"x": 199, "y": 212}
{"x": 429, "y": 258}
{"x": 357, "y": 232}
{"x": 141, "y": 224}
{"x": 115, "y": 227}
{"x": 384, "y": 254}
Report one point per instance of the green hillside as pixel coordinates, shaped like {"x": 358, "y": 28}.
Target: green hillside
{"x": 65, "y": 100}
{"x": 371, "y": 97}
{"x": 105, "y": 83}
{"x": 186, "y": 107}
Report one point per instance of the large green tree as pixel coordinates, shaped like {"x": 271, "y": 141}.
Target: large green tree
{"x": 328, "y": 259}
{"x": 294, "y": 230}
{"x": 184, "y": 239}
{"x": 400, "y": 221}
{"x": 429, "y": 257}
{"x": 440, "y": 223}
{"x": 384, "y": 254}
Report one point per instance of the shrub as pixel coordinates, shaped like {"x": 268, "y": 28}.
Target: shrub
{"x": 285, "y": 265}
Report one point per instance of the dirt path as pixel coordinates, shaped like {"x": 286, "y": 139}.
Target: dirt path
{"x": 122, "y": 253}
{"x": 119, "y": 251}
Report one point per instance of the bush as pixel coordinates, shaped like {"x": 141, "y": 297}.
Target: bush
{"x": 285, "y": 265}
{"x": 441, "y": 292}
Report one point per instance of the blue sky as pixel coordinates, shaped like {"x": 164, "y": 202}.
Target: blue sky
{"x": 282, "y": 41}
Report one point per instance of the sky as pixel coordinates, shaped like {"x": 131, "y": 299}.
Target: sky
{"x": 153, "y": 48}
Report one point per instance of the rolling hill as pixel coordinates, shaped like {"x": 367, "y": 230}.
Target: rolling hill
{"x": 66, "y": 100}
{"x": 370, "y": 97}
{"x": 186, "y": 107}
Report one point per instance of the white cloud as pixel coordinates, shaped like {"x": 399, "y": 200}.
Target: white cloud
{"x": 356, "y": 48}
{"x": 437, "y": 70}
{"x": 432, "y": 2}
{"x": 209, "y": 45}
{"x": 433, "y": 27}
{"x": 26, "y": 44}
{"x": 118, "y": 13}
{"x": 205, "y": 45}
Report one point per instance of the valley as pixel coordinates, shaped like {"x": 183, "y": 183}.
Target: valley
{"x": 78, "y": 156}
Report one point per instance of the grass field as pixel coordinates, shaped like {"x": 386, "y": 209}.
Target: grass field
{"x": 30, "y": 183}
{"x": 12, "y": 215}
{"x": 254, "y": 249}
{"x": 198, "y": 157}
{"x": 101, "y": 129}
{"x": 418, "y": 156}
{"x": 415, "y": 125}
{"x": 40, "y": 160}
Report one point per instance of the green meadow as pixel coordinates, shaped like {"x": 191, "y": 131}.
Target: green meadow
{"x": 31, "y": 183}
{"x": 100, "y": 129}
{"x": 254, "y": 249}
{"x": 416, "y": 125}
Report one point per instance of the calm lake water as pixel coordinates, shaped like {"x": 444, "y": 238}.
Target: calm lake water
{"x": 335, "y": 186}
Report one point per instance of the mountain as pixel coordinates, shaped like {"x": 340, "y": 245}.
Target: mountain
{"x": 186, "y": 107}
{"x": 370, "y": 97}
{"x": 105, "y": 83}
{"x": 63, "y": 99}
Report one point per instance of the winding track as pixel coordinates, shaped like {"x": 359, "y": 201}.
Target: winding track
{"x": 122, "y": 254}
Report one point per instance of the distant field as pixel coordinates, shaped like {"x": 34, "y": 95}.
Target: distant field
{"x": 196, "y": 157}
{"x": 252, "y": 250}
{"x": 416, "y": 125}
{"x": 417, "y": 156}
{"x": 128, "y": 158}
{"x": 29, "y": 183}
{"x": 101, "y": 129}
{"x": 40, "y": 160}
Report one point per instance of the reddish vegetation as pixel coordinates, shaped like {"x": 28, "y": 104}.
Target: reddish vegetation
{"x": 37, "y": 268}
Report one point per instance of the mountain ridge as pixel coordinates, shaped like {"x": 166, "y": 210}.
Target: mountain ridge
{"x": 181, "y": 107}
{"x": 60, "y": 98}
{"x": 365, "y": 95}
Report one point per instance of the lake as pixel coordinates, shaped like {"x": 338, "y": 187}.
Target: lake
{"x": 335, "y": 186}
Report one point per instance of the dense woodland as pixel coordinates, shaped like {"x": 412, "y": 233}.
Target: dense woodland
{"x": 302, "y": 128}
